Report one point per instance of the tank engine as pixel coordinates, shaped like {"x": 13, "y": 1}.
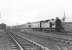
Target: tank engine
{"x": 44, "y": 25}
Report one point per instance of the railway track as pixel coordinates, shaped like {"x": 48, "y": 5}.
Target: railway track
{"x": 14, "y": 44}
{"x": 63, "y": 41}
{"x": 6, "y": 42}
{"x": 25, "y": 44}
{"x": 55, "y": 35}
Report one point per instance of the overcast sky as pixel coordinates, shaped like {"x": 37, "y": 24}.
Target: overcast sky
{"x": 15, "y": 12}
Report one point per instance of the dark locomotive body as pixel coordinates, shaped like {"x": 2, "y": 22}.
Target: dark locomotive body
{"x": 44, "y": 26}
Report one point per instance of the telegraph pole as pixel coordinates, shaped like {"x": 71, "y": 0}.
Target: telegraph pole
{"x": 64, "y": 17}
{"x": 40, "y": 25}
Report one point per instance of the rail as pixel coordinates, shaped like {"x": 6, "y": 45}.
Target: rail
{"x": 12, "y": 37}
{"x": 20, "y": 42}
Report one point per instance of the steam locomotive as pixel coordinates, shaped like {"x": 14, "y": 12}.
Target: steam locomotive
{"x": 44, "y": 25}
